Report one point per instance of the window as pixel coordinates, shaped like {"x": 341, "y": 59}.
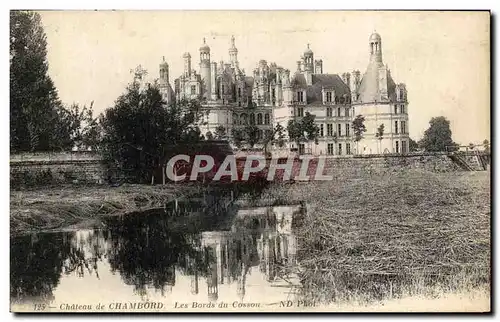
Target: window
{"x": 330, "y": 148}
{"x": 235, "y": 118}
{"x": 266, "y": 119}
{"x": 300, "y": 111}
{"x": 395, "y": 109}
{"x": 328, "y": 96}
{"x": 302, "y": 148}
{"x": 300, "y": 96}
{"x": 243, "y": 119}
{"x": 252, "y": 119}
{"x": 259, "y": 119}
{"x": 403, "y": 127}
{"x": 329, "y": 130}
{"x": 329, "y": 112}
{"x": 222, "y": 90}
{"x": 348, "y": 148}
{"x": 340, "y": 148}
{"x": 347, "y": 129}
{"x": 346, "y": 111}
{"x": 193, "y": 89}
{"x": 397, "y": 146}
{"x": 321, "y": 130}
{"x": 338, "y": 111}
{"x": 339, "y": 129}
{"x": 273, "y": 95}
{"x": 239, "y": 92}
{"x": 396, "y": 127}
{"x": 403, "y": 147}
{"x": 402, "y": 109}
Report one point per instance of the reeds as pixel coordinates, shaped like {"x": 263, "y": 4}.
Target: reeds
{"x": 406, "y": 233}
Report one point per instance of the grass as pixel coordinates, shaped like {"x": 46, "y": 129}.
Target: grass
{"x": 396, "y": 235}
{"x": 56, "y": 207}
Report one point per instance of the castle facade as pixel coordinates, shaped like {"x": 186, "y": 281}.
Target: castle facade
{"x": 232, "y": 102}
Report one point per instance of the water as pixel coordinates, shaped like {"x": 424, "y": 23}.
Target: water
{"x": 202, "y": 249}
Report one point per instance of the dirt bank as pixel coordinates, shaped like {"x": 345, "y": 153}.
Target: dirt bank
{"x": 58, "y": 207}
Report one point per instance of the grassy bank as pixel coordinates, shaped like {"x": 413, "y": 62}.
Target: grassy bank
{"x": 57, "y": 207}
{"x": 401, "y": 234}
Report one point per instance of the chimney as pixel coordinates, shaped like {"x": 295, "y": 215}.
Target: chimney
{"x": 318, "y": 68}
{"x": 299, "y": 66}
{"x": 346, "y": 78}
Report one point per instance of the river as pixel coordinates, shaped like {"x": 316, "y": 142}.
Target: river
{"x": 204, "y": 248}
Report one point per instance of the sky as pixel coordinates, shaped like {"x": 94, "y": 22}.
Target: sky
{"x": 442, "y": 57}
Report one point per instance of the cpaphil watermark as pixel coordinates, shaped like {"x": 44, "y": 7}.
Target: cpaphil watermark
{"x": 183, "y": 167}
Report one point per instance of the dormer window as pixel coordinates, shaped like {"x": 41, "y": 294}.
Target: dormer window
{"x": 300, "y": 96}
{"x": 193, "y": 89}
{"x": 329, "y": 97}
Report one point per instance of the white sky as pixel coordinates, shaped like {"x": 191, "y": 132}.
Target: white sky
{"x": 443, "y": 57}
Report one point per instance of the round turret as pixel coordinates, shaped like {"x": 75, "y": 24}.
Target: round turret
{"x": 375, "y": 37}
{"x": 204, "y": 48}
{"x": 308, "y": 51}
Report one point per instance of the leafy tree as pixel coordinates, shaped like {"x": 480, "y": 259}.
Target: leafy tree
{"x": 279, "y": 136}
{"x": 380, "y": 134}
{"x": 83, "y": 128}
{"x": 295, "y": 132}
{"x": 35, "y": 108}
{"x": 238, "y": 137}
{"x": 220, "y": 132}
{"x": 139, "y": 130}
{"x": 438, "y": 136}
{"x": 251, "y": 134}
{"x": 309, "y": 128}
{"x": 486, "y": 145}
{"x": 209, "y": 136}
{"x": 358, "y": 126}
{"x": 413, "y": 145}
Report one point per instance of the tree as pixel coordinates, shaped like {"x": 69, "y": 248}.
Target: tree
{"x": 310, "y": 129}
{"x": 251, "y": 134}
{"x": 279, "y": 132}
{"x": 295, "y": 132}
{"x": 139, "y": 130}
{"x": 83, "y": 129}
{"x": 438, "y": 136}
{"x": 238, "y": 137}
{"x": 358, "y": 126}
{"x": 220, "y": 132}
{"x": 209, "y": 136}
{"x": 35, "y": 108}
{"x": 380, "y": 135}
{"x": 486, "y": 145}
{"x": 413, "y": 145}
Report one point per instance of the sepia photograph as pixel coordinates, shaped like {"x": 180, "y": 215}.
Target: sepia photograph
{"x": 250, "y": 161}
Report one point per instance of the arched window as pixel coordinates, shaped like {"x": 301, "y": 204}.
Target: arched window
{"x": 267, "y": 120}
{"x": 235, "y": 119}
{"x": 252, "y": 119}
{"x": 259, "y": 119}
{"x": 243, "y": 119}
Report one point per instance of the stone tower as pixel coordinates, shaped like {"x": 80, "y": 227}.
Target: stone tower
{"x": 233, "y": 54}
{"x": 187, "y": 64}
{"x": 205, "y": 70}
{"x": 308, "y": 65}
{"x": 375, "y": 44}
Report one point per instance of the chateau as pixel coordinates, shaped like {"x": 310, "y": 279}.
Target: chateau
{"x": 231, "y": 100}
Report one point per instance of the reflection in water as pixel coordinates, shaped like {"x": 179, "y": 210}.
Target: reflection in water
{"x": 213, "y": 243}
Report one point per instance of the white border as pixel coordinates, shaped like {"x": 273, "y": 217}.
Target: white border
{"x": 191, "y": 5}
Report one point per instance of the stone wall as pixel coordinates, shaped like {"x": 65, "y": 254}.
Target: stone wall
{"x": 47, "y": 169}
{"x": 86, "y": 167}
